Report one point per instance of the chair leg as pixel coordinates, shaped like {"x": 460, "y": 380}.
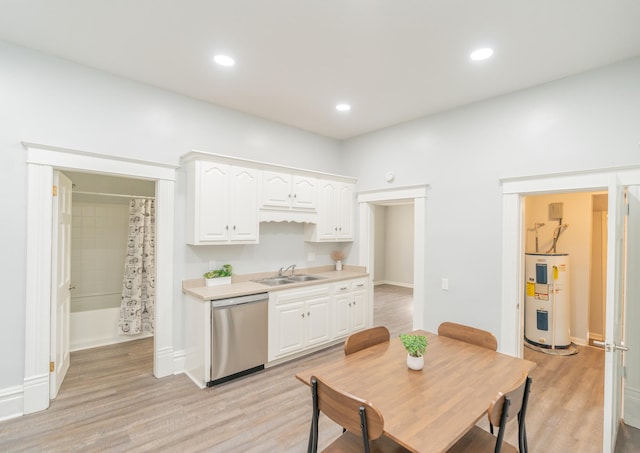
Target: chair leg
{"x": 313, "y": 435}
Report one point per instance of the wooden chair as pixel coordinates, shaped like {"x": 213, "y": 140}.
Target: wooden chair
{"x": 501, "y": 411}
{"x": 365, "y": 338}
{"x": 363, "y": 422}
{"x": 468, "y": 335}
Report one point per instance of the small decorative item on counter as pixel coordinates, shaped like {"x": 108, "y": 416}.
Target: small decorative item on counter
{"x": 416, "y": 346}
{"x": 217, "y": 277}
{"x": 337, "y": 256}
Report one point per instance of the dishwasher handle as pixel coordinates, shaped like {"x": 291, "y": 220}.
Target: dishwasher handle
{"x": 220, "y": 303}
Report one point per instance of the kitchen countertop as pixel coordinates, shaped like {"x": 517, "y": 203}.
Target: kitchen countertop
{"x": 241, "y": 285}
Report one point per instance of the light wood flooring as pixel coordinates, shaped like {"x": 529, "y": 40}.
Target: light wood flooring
{"x": 111, "y": 402}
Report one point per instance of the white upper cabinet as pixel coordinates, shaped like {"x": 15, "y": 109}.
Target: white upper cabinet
{"x": 288, "y": 191}
{"x": 335, "y": 213}
{"x": 228, "y": 197}
{"x": 222, "y": 204}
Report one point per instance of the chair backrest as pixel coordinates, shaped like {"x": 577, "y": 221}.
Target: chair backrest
{"x": 352, "y": 413}
{"x": 469, "y": 334}
{"x": 365, "y": 338}
{"x": 508, "y": 406}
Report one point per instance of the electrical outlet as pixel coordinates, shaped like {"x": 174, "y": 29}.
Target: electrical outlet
{"x": 311, "y": 256}
{"x": 212, "y": 265}
{"x": 445, "y": 284}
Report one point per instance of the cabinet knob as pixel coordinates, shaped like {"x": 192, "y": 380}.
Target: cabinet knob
{"x": 226, "y": 227}
{"x": 234, "y": 228}
{"x": 303, "y": 315}
{"x": 295, "y": 195}
{"x": 354, "y": 303}
{"x": 349, "y": 303}
{"x": 308, "y": 313}
{"x": 289, "y": 195}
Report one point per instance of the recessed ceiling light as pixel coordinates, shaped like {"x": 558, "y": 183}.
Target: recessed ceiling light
{"x": 343, "y": 107}
{"x": 481, "y": 54}
{"x": 224, "y": 60}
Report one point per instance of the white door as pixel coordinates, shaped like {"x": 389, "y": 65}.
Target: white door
{"x": 61, "y": 282}
{"x": 614, "y": 323}
{"x": 631, "y": 406}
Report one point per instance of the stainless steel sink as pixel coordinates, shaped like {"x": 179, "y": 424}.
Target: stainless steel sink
{"x": 304, "y": 278}
{"x": 277, "y": 281}
{"x": 274, "y": 281}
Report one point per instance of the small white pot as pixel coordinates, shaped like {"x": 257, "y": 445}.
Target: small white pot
{"x": 217, "y": 281}
{"x": 415, "y": 363}
{"x": 338, "y": 265}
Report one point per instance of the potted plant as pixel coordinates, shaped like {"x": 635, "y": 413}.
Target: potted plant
{"x": 217, "y": 277}
{"x": 416, "y": 346}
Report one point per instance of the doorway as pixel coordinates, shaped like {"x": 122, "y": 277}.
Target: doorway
{"x": 41, "y": 161}
{"x": 100, "y": 229}
{"x": 578, "y": 228}
{"x": 368, "y": 202}
{"x": 615, "y": 182}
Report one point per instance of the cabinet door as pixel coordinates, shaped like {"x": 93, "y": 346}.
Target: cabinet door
{"x": 213, "y": 202}
{"x": 318, "y": 324}
{"x": 243, "y": 217}
{"x": 327, "y": 222}
{"x": 358, "y": 310}
{"x": 342, "y": 312}
{"x": 289, "y": 328}
{"x": 344, "y": 206}
{"x": 305, "y": 193}
{"x": 276, "y": 190}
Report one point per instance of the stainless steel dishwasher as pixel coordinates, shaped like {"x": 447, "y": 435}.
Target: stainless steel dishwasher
{"x": 238, "y": 336}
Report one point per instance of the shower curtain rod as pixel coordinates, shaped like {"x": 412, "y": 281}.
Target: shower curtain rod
{"x": 113, "y": 195}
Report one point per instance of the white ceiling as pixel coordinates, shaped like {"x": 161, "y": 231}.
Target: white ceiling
{"x": 392, "y": 60}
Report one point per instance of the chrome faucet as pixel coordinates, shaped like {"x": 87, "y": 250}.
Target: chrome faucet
{"x": 283, "y": 270}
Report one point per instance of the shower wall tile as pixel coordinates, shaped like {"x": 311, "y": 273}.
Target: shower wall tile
{"x": 98, "y": 249}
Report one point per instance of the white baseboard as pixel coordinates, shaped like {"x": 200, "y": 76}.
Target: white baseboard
{"x": 36, "y": 393}
{"x": 389, "y": 282}
{"x": 632, "y": 406}
{"x": 164, "y": 362}
{"x": 179, "y": 358}
{"x": 579, "y": 341}
{"x": 596, "y": 336}
{"x": 11, "y": 402}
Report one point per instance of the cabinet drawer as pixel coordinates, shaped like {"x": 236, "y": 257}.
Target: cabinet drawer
{"x": 358, "y": 285}
{"x": 342, "y": 287}
{"x": 294, "y": 294}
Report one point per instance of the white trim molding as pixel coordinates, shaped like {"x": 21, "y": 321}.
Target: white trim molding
{"x": 41, "y": 161}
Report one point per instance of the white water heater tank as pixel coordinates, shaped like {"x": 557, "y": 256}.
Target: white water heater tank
{"x": 547, "y": 304}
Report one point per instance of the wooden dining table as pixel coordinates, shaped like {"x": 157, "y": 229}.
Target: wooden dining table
{"x": 427, "y": 410}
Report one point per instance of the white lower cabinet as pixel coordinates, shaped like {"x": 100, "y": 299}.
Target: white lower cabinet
{"x": 298, "y": 319}
{"x": 350, "y": 307}
{"x": 304, "y": 318}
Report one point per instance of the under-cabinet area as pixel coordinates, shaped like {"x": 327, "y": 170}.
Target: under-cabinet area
{"x": 301, "y": 318}
{"x": 227, "y": 198}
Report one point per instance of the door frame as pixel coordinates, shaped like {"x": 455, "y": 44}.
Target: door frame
{"x": 512, "y": 317}
{"x": 41, "y": 161}
{"x": 367, "y": 201}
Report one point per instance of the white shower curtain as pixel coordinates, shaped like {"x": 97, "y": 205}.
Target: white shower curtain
{"x": 137, "y": 309}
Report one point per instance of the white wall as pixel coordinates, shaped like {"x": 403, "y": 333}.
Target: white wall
{"x": 54, "y": 102}
{"x": 582, "y": 122}
{"x": 398, "y": 267}
{"x": 393, "y": 242}
{"x": 575, "y": 240}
